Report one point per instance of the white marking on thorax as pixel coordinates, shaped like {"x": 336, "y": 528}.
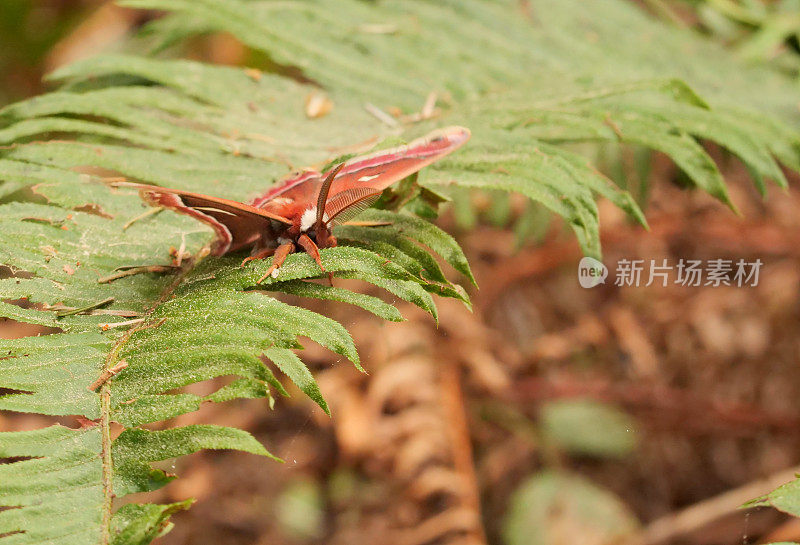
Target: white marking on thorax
{"x": 308, "y": 219}
{"x": 368, "y": 178}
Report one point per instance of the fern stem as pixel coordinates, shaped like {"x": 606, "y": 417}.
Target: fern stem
{"x": 113, "y": 363}
{"x": 105, "y": 438}
{"x": 108, "y": 469}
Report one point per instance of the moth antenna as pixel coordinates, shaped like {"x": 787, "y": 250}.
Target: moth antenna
{"x": 323, "y": 194}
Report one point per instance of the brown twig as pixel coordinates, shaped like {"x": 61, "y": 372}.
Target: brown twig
{"x": 524, "y": 265}
{"x": 453, "y": 402}
{"x": 70, "y": 311}
{"x": 380, "y": 115}
{"x": 702, "y": 513}
{"x": 683, "y": 408}
{"x": 107, "y": 374}
{"x": 113, "y": 325}
{"x": 134, "y": 271}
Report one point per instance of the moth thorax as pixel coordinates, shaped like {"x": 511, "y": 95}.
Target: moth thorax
{"x": 309, "y": 218}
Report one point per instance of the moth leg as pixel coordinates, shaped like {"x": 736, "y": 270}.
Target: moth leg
{"x": 313, "y": 250}
{"x": 281, "y": 253}
{"x": 261, "y": 254}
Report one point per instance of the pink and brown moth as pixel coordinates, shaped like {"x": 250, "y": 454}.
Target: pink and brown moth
{"x": 302, "y": 209}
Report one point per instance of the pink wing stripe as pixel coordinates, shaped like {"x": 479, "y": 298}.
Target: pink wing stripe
{"x": 381, "y": 170}
{"x": 174, "y": 202}
{"x": 284, "y": 186}
{"x": 435, "y": 144}
{"x": 413, "y": 156}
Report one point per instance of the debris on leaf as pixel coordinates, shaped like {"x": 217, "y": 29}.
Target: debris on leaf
{"x": 318, "y": 105}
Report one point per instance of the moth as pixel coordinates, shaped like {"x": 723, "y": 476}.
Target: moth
{"x": 302, "y": 210}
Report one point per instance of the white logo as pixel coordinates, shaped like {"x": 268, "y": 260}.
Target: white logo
{"x": 591, "y": 272}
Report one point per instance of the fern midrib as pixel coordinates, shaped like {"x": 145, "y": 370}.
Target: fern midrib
{"x": 105, "y": 452}
{"x": 105, "y": 395}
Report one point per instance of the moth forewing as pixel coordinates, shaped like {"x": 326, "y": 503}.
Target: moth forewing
{"x": 285, "y": 216}
{"x": 383, "y": 168}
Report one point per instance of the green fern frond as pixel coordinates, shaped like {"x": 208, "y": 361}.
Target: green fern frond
{"x": 160, "y": 332}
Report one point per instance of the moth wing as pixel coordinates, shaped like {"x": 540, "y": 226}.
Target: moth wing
{"x": 235, "y": 224}
{"x": 376, "y": 171}
{"x": 349, "y": 203}
{"x": 383, "y": 168}
{"x": 299, "y": 188}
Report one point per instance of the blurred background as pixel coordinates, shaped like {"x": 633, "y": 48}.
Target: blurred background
{"x": 551, "y": 414}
